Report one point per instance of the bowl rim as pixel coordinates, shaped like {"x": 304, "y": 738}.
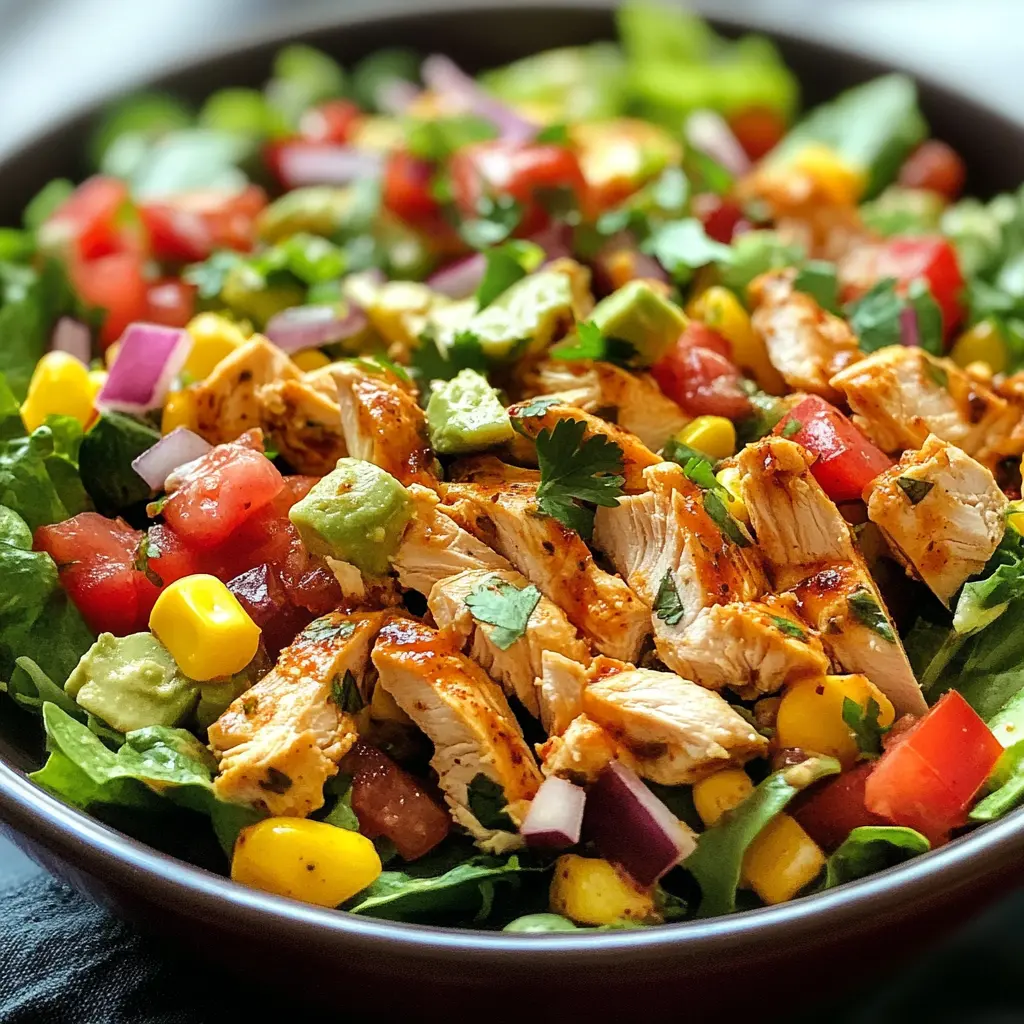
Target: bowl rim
{"x": 104, "y": 852}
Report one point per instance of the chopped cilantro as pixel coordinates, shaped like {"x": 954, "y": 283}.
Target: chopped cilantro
{"x": 592, "y": 344}
{"x": 683, "y": 246}
{"x": 928, "y": 315}
{"x": 668, "y": 605}
{"x": 915, "y": 490}
{"x": 534, "y": 407}
{"x": 327, "y": 628}
{"x": 864, "y": 724}
{"x": 681, "y": 452}
{"x": 496, "y": 219}
{"x": 937, "y": 373}
{"x": 507, "y": 264}
{"x": 793, "y": 426}
{"x": 875, "y": 317}
{"x": 553, "y": 135}
{"x": 699, "y": 470}
{"x": 714, "y": 505}
{"x": 818, "y": 279}
{"x": 868, "y": 612}
{"x": 435, "y": 140}
{"x": 146, "y": 550}
{"x": 345, "y": 693}
{"x": 574, "y": 470}
{"x": 505, "y": 607}
{"x": 487, "y": 803}
{"x": 427, "y": 362}
{"x": 788, "y": 626}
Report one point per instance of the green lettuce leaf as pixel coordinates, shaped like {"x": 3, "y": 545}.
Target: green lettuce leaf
{"x": 872, "y": 848}
{"x": 1005, "y": 786}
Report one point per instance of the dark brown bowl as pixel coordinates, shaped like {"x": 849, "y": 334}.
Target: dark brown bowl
{"x": 749, "y": 959}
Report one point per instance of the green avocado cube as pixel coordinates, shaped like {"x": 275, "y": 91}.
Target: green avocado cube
{"x": 638, "y": 314}
{"x": 132, "y": 682}
{"x": 526, "y": 317}
{"x": 357, "y": 513}
{"x": 464, "y": 415}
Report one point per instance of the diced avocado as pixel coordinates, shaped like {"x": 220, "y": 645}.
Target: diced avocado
{"x": 319, "y": 210}
{"x": 757, "y": 252}
{"x": 131, "y": 682}
{"x": 464, "y": 415}
{"x": 356, "y": 513}
{"x": 640, "y": 315}
{"x": 250, "y": 294}
{"x": 903, "y": 211}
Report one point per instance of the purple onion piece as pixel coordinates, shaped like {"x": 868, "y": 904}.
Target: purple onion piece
{"x": 73, "y": 337}
{"x": 317, "y": 164}
{"x": 150, "y": 356}
{"x": 461, "y": 279}
{"x": 396, "y": 96}
{"x": 709, "y": 132}
{"x": 555, "y": 240}
{"x": 632, "y": 828}
{"x": 172, "y": 451}
{"x": 301, "y": 327}
{"x": 555, "y": 817}
{"x": 909, "y": 333}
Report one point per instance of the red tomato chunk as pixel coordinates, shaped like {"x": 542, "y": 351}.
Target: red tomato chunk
{"x": 260, "y": 592}
{"x": 833, "y": 809}
{"x": 407, "y": 194}
{"x": 847, "y": 461}
{"x": 936, "y": 167}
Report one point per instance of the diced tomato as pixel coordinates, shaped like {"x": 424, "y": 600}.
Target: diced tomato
{"x": 758, "y": 130}
{"x": 936, "y": 167}
{"x": 522, "y": 171}
{"x": 700, "y": 375}
{"x": 332, "y": 121}
{"x": 96, "y": 557}
{"x": 847, "y": 461}
{"x": 316, "y": 589}
{"x": 85, "y": 226}
{"x": 390, "y": 802}
{"x": 832, "y": 809}
{"x": 171, "y": 302}
{"x": 722, "y": 218}
{"x": 407, "y": 194}
{"x": 930, "y": 777}
{"x": 260, "y": 592}
{"x": 170, "y": 558}
{"x": 221, "y": 492}
{"x": 116, "y": 284}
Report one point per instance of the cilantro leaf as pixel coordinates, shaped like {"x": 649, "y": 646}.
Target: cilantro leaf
{"x": 699, "y": 470}
{"x": 534, "y": 407}
{"x": 487, "y": 803}
{"x": 915, "y": 490}
{"x": 875, "y": 316}
{"x": 818, "y": 279}
{"x": 573, "y": 470}
{"x": 435, "y": 140}
{"x": 496, "y": 219}
{"x": 683, "y": 246}
{"x": 345, "y": 693}
{"x": 927, "y": 314}
{"x": 868, "y": 612}
{"x": 327, "y": 628}
{"x": 863, "y": 722}
{"x": 731, "y": 530}
{"x": 680, "y": 452}
{"x": 146, "y": 550}
{"x": 553, "y": 135}
{"x": 937, "y": 373}
{"x": 788, "y": 626}
{"x": 668, "y": 605}
{"x": 504, "y": 606}
{"x": 793, "y": 426}
{"x": 592, "y": 344}
{"x": 427, "y": 362}
{"x": 507, "y": 264}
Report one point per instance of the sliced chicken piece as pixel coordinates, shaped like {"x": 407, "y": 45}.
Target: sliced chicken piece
{"x": 489, "y": 469}
{"x": 676, "y": 730}
{"x": 515, "y": 665}
{"x": 282, "y": 739}
{"x": 555, "y": 560}
{"x": 360, "y": 591}
{"x": 227, "y": 402}
{"x": 582, "y": 751}
{"x": 560, "y": 690}
{"x": 900, "y": 395}
{"x": 479, "y": 750}
{"x": 632, "y": 400}
{"x": 807, "y": 345}
{"x": 809, "y": 549}
{"x": 435, "y": 547}
{"x": 383, "y": 424}
{"x": 942, "y": 513}
{"x": 304, "y": 424}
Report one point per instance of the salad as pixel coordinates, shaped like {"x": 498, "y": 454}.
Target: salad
{"x": 583, "y": 496}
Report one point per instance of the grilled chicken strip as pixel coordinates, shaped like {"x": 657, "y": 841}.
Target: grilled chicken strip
{"x": 227, "y": 402}
{"x": 478, "y": 744}
{"x": 560, "y": 691}
{"x": 900, "y": 395}
{"x": 435, "y": 547}
{"x": 555, "y": 560}
{"x": 807, "y": 345}
{"x": 304, "y": 425}
{"x": 632, "y": 400}
{"x": 942, "y": 513}
{"x": 517, "y": 665}
{"x": 489, "y": 469}
{"x": 536, "y": 415}
{"x": 582, "y": 751}
{"x": 809, "y": 549}
{"x": 282, "y": 739}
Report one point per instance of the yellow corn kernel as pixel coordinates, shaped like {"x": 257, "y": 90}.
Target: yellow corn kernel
{"x": 179, "y": 411}
{"x": 110, "y": 355}
{"x": 838, "y": 180}
{"x": 781, "y": 860}
{"x": 306, "y": 860}
{"x": 384, "y": 708}
{"x": 208, "y": 633}
{"x": 731, "y": 480}
{"x": 213, "y": 338}
{"x": 310, "y": 359}
{"x": 97, "y": 378}
{"x": 1015, "y": 517}
{"x": 981, "y": 343}
{"x": 591, "y": 891}
{"x": 721, "y": 792}
{"x": 713, "y": 435}
{"x": 60, "y": 386}
{"x": 811, "y": 714}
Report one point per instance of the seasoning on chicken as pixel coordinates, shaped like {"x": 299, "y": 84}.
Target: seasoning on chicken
{"x": 532, "y": 417}
{"x": 435, "y": 547}
{"x": 489, "y": 469}
{"x": 227, "y": 403}
{"x": 806, "y": 344}
{"x": 900, "y": 395}
{"x": 560, "y": 690}
{"x": 304, "y": 425}
{"x": 941, "y": 512}
{"x": 555, "y": 560}
{"x": 582, "y": 751}
{"x": 485, "y": 769}
{"x": 514, "y": 662}
{"x": 282, "y": 739}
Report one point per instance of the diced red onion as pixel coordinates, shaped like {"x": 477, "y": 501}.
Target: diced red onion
{"x": 632, "y": 828}
{"x": 461, "y": 279}
{"x": 555, "y": 817}
{"x": 709, "y": 132}
{"x": 172, "y": 451}
{"x": 395, "y": 96}
{"x": 73, "y": 337}
{"x": 150, "y": 356}
{"x": 301, "y": 327}
{"x": 909, "y": 333}
{"x": 314, "y": 163}
{"x": 555, "y": 240}
{"x": 444, "y": 77}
